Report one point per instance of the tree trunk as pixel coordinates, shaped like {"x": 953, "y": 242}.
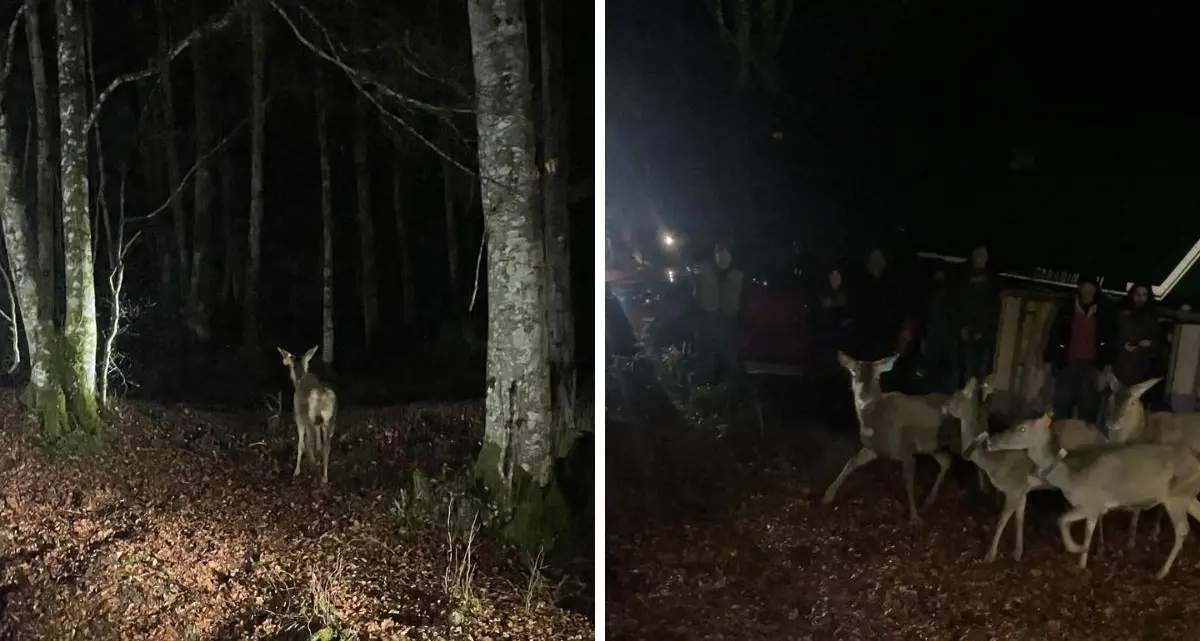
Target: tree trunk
{"x": 408, "y": 287}
{"x": 516, "y": 461}
{"x": 451, "y": 227}
{"x": 258, "y": 39}
{"x": 80, "y": 327}
{"x": 366, "y": 226}
{"x": 174, "y": 173}
{"x": 44, "y": 396}
{"x": 196, "y": 308}
{"x": 231, "y": 282}
{"x": 327, "y": 333}
{"x": 47, "y": 176}
{"x": 556, "y": 215}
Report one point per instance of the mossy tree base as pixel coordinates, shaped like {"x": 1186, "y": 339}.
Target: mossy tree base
{"x": 67, "y": 413}
{"x": 535, "y": 517}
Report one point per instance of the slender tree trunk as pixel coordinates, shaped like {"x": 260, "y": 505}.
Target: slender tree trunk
{"x": 448, "y": 206}
{"x": 366, "y": 225}
{"x": 327, "y": 333}
{"x": 556, "y": 216}
{"x": 196, "y": 308}
{"x": 174, "y": 173}
{"x": 47, "y": 175}
{"x": 80, "y": 328}
{"x": 516, "y": 461}
{"x": 408, "y": 287}
{"x": 258, "y": 40}
{"x": 231, "y": 281}
{"x": 44, "y": 396}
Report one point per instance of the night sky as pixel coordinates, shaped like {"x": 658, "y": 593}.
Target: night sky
{"x": 893, "y": 116}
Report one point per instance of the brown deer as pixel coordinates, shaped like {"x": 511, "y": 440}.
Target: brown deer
{"x": 315, "y": 407}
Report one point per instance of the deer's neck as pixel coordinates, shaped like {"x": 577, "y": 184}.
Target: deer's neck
{"x": 1049, "y": 467}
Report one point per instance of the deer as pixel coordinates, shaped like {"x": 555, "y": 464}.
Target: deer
{"x": 1126, "y": 415}
{"x": 1128, "y": 475}
{"x": 1013, "y": 473}
{"x": 892, "y": 426}
{"x": 315, "y": 406}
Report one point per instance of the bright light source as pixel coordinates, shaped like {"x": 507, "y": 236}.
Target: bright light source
{"x": 672, "y": 275}
{"x": 668, "y": 240}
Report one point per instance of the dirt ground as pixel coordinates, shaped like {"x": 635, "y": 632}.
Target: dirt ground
{"x": 745, "y": 550}
{"x": 190, "y": 526}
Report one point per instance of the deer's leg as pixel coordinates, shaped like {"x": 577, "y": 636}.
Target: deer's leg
{"x": 864, "y": 456}
{"x": 1087, "y": 541}
{"x": 943, "y": 461}
{"x": 327, "y": 431}
{"x": 1156, "y": 529}
{"x": 909, "y": 464}
{"x": 1011, "y": 503}
{"x": 1133, "y": 526}
{"x": 1064, "y": 529}
{"x": 1019, "y": 549}
{"x": 1178, "y": 511}
{"x": 299, "y": 445}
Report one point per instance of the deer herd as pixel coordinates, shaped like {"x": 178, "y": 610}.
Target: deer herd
{"x": 1133, "y": 460}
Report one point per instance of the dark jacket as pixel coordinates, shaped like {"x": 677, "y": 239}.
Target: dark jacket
{"x": 976, "y": 304}
{"x": 834, "y": 315}
{"x": 877, "y": 316}
{"x": 940, "y": 336}
{"x": 1060, "y": 332}
{"x": 1133, "y": 325}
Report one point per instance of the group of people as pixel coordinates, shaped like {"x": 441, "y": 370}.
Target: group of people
{"x": 953, "y": 335}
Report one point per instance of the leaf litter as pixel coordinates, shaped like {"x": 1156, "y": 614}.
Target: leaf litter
{"x": 189, "y": 526}
{"x": 747, "y": 551}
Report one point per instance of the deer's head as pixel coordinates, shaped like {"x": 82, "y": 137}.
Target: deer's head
{"x": 864, "y": 376}
{"x": 297, "y": 367}
{"x": 1123, "y": 412}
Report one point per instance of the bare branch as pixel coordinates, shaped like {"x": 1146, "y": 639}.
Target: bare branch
{"x": 188, "y": 176}
{"x": 354, "y": 77}
{"x": 224, "y": 21}
{"x": 8, "y": 47}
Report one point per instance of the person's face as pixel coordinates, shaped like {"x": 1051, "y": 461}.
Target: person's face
{"x": 723, "y": 257}
{"x": 1140, "y": 296}
{"x": 979, "y": 257}
{"x": 1087, "y": 292}
{"x": 835, "y": 279}
{"x": 875, "y": 262}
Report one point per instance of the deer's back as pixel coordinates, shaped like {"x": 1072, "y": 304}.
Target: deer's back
{"x": 1170, "y": 427}
{"x": 315, "y": 399}
{"x": 1072, "y": 434}
{"x": 1131, "y": 475}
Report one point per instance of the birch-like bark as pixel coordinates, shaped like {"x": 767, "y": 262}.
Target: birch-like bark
{"x": 174, "y": 173}
{"x": 258, "y": 42}
{"x": 327, "y": 330}
{"x": 408, "y": 286}
{"x": 556, "y": 215}
{"x": 22, "y": 259}
{"x": 80, "y": 327}
{"x": 197, "y": 307}
{"x": 517, "y": 449}
{"x": 366, "y": 225}
{"x": 47, "y": 175}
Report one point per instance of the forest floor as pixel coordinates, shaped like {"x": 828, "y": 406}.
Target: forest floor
{"x": 742, "y": 548}
{"x": 189, "y": 525}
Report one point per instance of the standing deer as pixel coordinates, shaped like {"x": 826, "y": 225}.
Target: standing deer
{"x": 315, "y": 407}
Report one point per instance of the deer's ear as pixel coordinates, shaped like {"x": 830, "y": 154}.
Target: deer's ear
{"x": 1144, "y": 386}
{"x": 309, "y": 354}
{"x": 1046, "y": 419}
{"x": 971, "y": 386}
{"x": 885, "y": 364}
{"x": 846, "y": 361}
{"x": 284, "y": 353}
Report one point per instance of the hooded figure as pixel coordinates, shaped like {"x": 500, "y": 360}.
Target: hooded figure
{"x": 1137, "y": 336}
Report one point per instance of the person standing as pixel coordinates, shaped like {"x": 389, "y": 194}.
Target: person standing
{"x": 977, "y": 314}
{"x": 939, "y": 344}
{"x": 1137, "y": 337}
{"x": 718, "y": 291}
{"x": 877, "y": 311}
{"x": 1079, "y": 347}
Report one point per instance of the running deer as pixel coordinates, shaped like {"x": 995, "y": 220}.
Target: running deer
{"x": 315, "y": 407}
{"x": 1137, "y": 475}
{"x": 892, "y": 426}
{"x": 1011, "y": 472}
